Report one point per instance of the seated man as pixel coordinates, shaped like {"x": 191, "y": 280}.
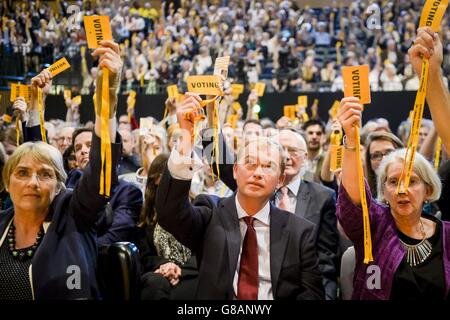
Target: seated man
{"x": 246, "y": 248}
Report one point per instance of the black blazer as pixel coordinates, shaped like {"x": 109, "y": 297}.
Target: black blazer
{"x": 71, "y": 237}
{"x": 212, "y": 232}
{"x": 317, "y": 204}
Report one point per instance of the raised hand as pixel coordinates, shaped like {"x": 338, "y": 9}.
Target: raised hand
{"x": 349, "y": 116}
{"x": 187, "y": 110}
{"x": 427, "y": 45}
{"x": 44, "y": 81}
{"x": 20, "y": 108}
{"x": 109, "y": 58}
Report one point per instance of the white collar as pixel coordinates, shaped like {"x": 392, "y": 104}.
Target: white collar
{"x": 262, "y": 215}
{"x": 139, "y": 178}
{"x": 294, "y": 186}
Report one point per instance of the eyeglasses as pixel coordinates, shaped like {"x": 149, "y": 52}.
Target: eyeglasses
{"x": 294, "y": 152}
{"x": 42, "y": 176}
{"x": 378, "y": 155}
{"x": 65, "y": 139}
{"x": 392, "y": 183}
{"x": 266, "y": 168}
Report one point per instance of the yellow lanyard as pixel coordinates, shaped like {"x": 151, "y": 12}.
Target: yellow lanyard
{"x": 362, "y": 193}
{"x": 438, "y": 153}
{"x": 431, "y": 16}
{"x": 105, "y": 174}
{"x": 41, "y": 115}
{"x": 415, "y": 128}
{"x": 17, "y": 131}
{"x": 336, "y": 151}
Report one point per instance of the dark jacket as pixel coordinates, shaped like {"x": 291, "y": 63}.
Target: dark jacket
{"x": 125, "y": 205}
{"x": 118, "y": 223}
{"x": 69, "y": 246}
{"x": 128, "y": 164}
{"x": 315, "y": 203}
{"x": 212, "y": 232}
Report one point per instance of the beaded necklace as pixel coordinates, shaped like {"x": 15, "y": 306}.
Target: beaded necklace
{"x": 24, "y": 253}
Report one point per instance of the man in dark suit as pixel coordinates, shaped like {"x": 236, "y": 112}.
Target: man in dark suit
{"x": 308, "y": 200}
{"x": 246, "y": 248}
{"x": 313, "y": 202}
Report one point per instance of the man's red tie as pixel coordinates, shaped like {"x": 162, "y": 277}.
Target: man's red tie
{"x": 248, "y": 272}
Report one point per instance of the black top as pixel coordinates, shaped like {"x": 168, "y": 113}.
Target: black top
{"x": 14, "y": 279}
{"x": 425, "y": 280}
{"x": 444, "y": 201}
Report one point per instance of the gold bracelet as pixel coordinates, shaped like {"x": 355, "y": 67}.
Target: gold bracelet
{"x": 344, "y": 142}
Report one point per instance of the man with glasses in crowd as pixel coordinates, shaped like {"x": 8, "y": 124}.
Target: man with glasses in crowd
{"x": 266, "y": 253}
{"x": 313, "y": 202}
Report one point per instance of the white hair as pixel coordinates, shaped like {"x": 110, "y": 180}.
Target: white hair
{"x": 421, "y": 167}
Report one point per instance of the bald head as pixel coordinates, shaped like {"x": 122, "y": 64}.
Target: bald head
{"x": 296, "y": 138}
{"x": 295, "y": 146}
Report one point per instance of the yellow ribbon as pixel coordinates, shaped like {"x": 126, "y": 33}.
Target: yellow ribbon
{"x": 338, "y": 53}
{"x": 105, "y": 174}
{"x": 17, "y": 131}
{"x": 336, "y": 151}
{"x": 415, "y": 129}
{"x": 203, "y": 103}
{"x": 431, "y": 16}
{"x": 41, "y": 115}
{"x": 216, "y": 138}
{"x": 438, "y": 153}
{"x": 362, "y": 193}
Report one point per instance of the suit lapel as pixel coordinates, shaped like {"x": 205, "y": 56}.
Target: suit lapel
{"x": 231, "y": 223}
{"x": 279, "y": 236}
{"x": 302, "y": 199}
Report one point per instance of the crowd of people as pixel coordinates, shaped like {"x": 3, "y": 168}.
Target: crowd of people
{"x": 289, "y": 48}
{"x": 222, "y": 209}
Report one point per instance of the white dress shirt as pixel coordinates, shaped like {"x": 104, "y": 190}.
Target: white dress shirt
{"x": 293, "y": 189}
{"x": 183, "y": 168}
{"x": 262, "y": 228}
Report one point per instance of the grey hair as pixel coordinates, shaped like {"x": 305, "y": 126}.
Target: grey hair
{"x": 263, "y": 142}
{"x": 297, "y": 135}
{"x": 421, "y": 167}
{"x": 42, "y": 152}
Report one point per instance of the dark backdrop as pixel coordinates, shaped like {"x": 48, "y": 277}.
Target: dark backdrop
{"x": 394, "y": 106}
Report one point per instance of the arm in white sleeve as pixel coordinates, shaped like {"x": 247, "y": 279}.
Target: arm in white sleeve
{"x": 183, "y": 167}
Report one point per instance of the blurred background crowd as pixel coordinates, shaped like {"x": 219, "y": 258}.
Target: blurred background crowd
{"x": 289, "y": 47}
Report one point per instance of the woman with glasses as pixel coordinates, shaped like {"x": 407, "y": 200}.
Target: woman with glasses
{"x": 410, "y": 249}
{"x": 378, "y": 145}
{"x": 48, "y": 247}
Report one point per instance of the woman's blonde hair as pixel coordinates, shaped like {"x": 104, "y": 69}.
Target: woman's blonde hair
{"x": 41, "y": 152}
{"x": 421, "y": 167}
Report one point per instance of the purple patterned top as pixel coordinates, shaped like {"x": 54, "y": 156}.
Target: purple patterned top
{"x": 386, "y": 248}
